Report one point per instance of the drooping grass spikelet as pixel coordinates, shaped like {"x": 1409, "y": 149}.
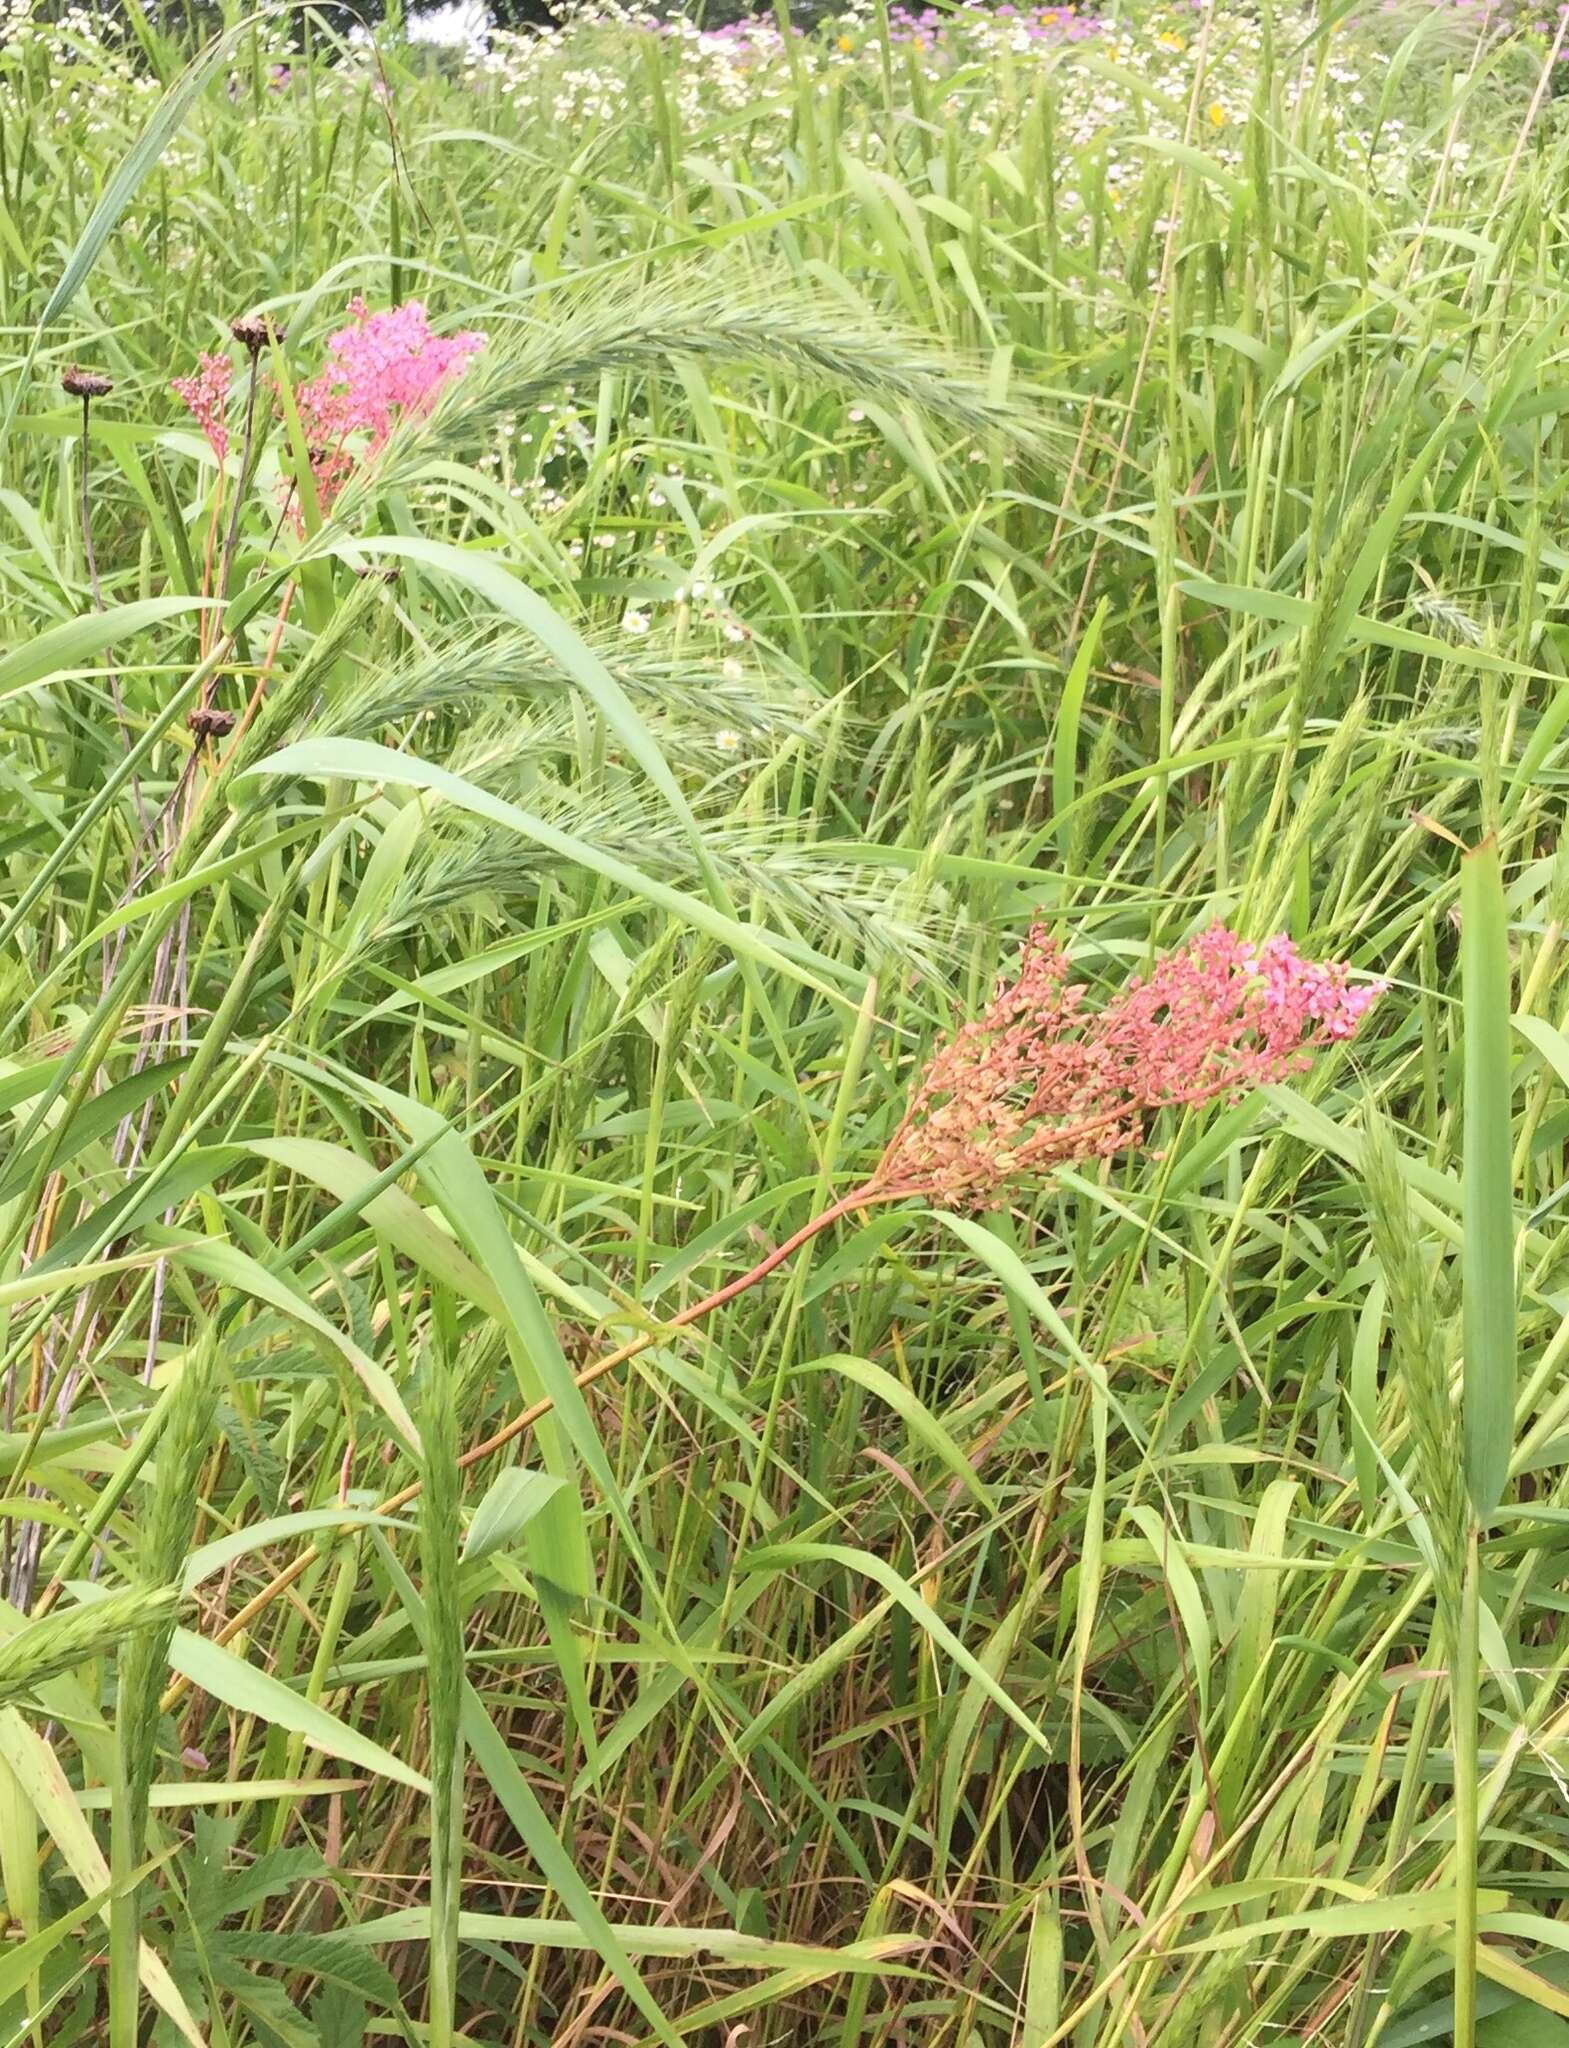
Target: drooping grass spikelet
{"x": 461, "y": 674}
{"x": 582, "y": 331}
{"x": 171, "y": 1523}
{"x": 798, "y": 887}
{"x": 187, "y": 1438}
{"x": 1420, "y": 1357}
{"x": 73, "y": 1636}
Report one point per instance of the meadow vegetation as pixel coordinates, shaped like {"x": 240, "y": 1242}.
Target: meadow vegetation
{"x": 679, "y": 564}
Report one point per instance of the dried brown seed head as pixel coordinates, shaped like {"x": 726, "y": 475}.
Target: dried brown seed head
{"x": 86, "y": 383}
{"x": 209, "y": 723}
{"x": 255, "y": 330}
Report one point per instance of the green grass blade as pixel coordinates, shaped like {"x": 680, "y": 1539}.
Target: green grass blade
{"x": 1487, "y": 1255}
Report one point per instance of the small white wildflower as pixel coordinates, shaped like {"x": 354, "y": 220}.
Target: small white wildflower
{"x": 727, "y": 740}
{"x": 634, "y": 621}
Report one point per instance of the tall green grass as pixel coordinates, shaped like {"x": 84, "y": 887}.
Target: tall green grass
{"x": 902, "y": 498}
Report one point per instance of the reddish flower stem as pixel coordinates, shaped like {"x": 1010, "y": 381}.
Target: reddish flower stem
{"x": 859, "y": 1198}
{"x": 863, "y": 1197}
{"x": 1033, "y": 1084}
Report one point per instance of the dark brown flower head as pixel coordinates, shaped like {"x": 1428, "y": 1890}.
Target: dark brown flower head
{"x": 255, "y": 330}
{"x": 86, "y": 383}
{"x": 209, "y": 723}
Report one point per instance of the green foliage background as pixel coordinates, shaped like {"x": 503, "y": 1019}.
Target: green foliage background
{"x": 909, "y": 491}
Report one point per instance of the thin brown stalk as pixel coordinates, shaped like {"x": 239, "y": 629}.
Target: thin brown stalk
{"x": 232, "y": 537}
{"x": 857, "y": 1199}
{"x": 90, "y": 554}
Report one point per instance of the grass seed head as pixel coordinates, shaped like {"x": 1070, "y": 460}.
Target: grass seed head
{"x": 64, "y": 1641}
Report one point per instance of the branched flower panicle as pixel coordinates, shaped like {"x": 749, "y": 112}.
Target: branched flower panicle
{"x": 381, "y": 369}
{"x": 206, "y": 392}
{"x": 1038, "y": 1080}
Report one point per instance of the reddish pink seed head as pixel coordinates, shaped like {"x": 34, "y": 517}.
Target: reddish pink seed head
{"x": 206, "y": 392}
{"x": 1038, "y": 1080}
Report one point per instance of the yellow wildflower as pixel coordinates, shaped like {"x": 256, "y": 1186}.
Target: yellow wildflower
{"x": 1217, "y": 114}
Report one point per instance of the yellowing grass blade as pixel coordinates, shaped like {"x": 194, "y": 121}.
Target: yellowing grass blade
{"x": 38, "y": 1772}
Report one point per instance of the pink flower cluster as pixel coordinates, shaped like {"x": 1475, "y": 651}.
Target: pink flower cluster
{"x": 383, "y": 368}
{"x": 1039, "y": 1080}
{"x": 206, "y": 392}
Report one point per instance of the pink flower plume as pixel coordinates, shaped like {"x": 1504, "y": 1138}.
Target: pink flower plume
{"x": 1039, "y": 1080}
{"x": 206, "y": 392}
{"x": 382, "y": 368}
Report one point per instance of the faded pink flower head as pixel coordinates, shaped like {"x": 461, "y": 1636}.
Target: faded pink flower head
{"x": 1038, "y": 1080}
{"x": 206, "y": 392}
{"x": 382, "y": 368}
